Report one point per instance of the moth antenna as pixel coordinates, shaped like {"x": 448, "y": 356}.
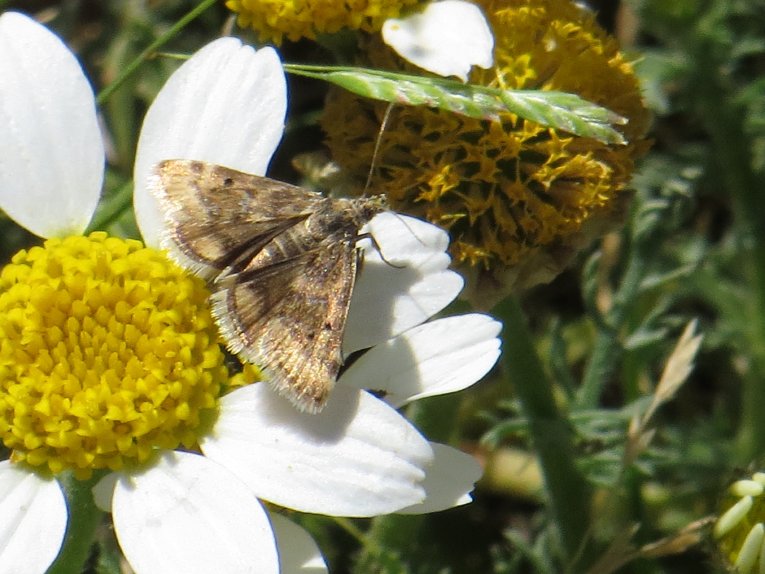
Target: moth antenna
{"x": 228, "y": 26}
{"x": 378, "y": 141}
{"x": 375, "y": 155}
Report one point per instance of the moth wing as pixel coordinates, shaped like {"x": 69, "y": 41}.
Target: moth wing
{"x": 289, "y": 318}
{"x": 219, "y": 217}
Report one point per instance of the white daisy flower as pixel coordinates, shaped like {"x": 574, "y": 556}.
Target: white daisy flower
{"x": 447, "y": 38}
{"x": 400, "y": 286}
{"x": 109, "y": 363}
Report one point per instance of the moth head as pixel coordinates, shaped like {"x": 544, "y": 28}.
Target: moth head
{"x": 367, "y": 207}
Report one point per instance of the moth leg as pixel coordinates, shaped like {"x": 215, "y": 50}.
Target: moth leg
{"x": 376, "y": 245}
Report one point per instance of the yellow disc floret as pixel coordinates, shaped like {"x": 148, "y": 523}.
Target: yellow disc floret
{"x": 740, "y": 528}
{"x": 295, "y": 19}
{"x": 516, "y": 196}
{"x": 107, "y": 353}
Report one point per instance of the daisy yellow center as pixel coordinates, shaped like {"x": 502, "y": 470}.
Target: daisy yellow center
{"x": 507, "y": 190}
{"x": 107, "y": 353}
{"x": 295, "y": 19}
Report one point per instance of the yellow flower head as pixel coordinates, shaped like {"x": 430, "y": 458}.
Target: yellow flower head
{"x": 740, "y": 529}
{"x": 518, "y": 198}
{"x": 295, "y": 19}
{"x": 108, "y": 352}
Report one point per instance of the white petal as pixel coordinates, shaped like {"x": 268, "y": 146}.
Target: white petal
{"x": 298, "y": 553}
{"x": 449, "y": 481}
{"x": 51, "y": 151}
{"x": 358, "y": 457}
{"x": 436, "y": 358}
{"x": 187, "y": 514}
{"x": 411, "y": 284}
{"x": 103, "y": 491}
{"x": 225, "y": 105}
{"x": 33, "y": 520}
{"x": 446, "y": 38}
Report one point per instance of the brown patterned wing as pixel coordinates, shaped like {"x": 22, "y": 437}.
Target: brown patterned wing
{"x": 289, "y": 317}
{"x": 219, "y": 217}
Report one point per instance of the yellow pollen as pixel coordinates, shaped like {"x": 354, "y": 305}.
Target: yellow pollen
{"x": 509, "y": 190}
{"x": 296, "y": 19}
{"x": 107, "y": 353}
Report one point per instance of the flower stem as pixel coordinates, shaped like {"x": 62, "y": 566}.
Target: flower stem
{"x": 550, "y": 430}
{"x": 84, "y": 518}
{"x": 131, "y": 68}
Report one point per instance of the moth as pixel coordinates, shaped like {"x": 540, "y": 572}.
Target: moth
{"x": 281, "y": 261}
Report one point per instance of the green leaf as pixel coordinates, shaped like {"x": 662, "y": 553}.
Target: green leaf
{"x": 558, "y": 110}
